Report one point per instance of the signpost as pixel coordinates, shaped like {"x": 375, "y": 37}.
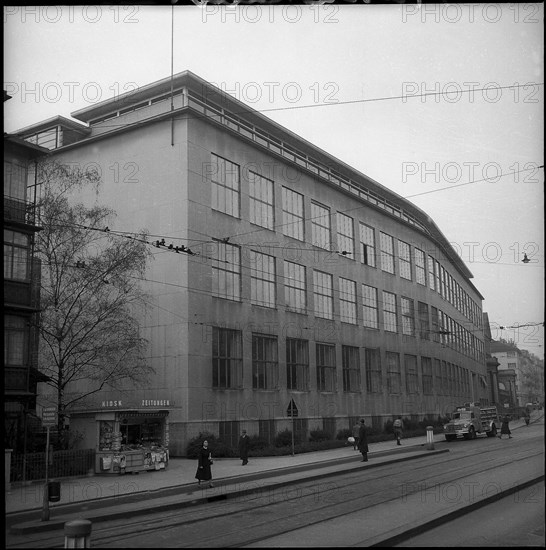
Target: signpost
{"x": 49, "y": 418}
{"x": 292, "y": 411}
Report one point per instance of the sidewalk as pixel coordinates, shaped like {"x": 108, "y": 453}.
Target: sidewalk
{"x": 176, "y": 485}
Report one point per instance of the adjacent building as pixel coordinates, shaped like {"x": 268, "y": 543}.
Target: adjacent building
{"x": 283, "y": 279}
{"x": 21, "y": 291}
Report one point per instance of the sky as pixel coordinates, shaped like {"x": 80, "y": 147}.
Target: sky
{"x": 441, "y": 103}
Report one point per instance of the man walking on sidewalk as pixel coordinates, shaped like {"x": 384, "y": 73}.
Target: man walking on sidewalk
{"x": 363, "y": 441}
{"x": 244, "y": 446}
{"x": 398, "y": 430}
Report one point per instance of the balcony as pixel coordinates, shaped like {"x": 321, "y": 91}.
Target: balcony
{"x": 16, "y": 210}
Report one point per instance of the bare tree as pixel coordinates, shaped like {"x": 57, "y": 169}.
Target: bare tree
{"x": 90, "y": 292}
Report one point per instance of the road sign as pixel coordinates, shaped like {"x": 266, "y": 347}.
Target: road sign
{"x": 292, "y": 409}
{"x": 49, "y": 416}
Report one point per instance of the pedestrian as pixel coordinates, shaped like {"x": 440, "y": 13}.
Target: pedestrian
{"x": 526, "y": 417}
{"x": 363, "y": 441}
{"x": 356, "y": 429}
{"x": 505, "y": 427}
{"x": 204, "y": 458}
{"x": 397, "y": 426}
{"x": 244, "y": 446}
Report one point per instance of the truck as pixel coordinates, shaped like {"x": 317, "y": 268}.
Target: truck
{"x": 470, "y": 420}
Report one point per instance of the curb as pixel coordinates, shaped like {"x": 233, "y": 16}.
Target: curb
{"x": 107, "y": 513}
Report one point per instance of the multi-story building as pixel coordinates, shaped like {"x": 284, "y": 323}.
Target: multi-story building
{"x": 21, "y": 290}
{"x": 509, "y": 357}
{"x": 283, "y": 278}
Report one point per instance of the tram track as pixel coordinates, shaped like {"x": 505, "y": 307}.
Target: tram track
{"x": 286, "y": 506}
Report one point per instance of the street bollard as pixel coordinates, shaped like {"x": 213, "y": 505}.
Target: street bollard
{"x": 77, "y": 534}
{"x": 430, "y": 438}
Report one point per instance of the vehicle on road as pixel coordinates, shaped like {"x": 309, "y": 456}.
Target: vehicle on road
{"x": 470, "y": 420}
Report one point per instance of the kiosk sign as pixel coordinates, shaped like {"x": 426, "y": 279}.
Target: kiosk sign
{"x": 49, "y": 416}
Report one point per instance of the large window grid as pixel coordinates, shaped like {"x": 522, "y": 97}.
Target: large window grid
{"x": 387, "y": 252}
{"x": 404, "y": 260}
{"x": 227, "y": 358}
{"x": 295, "y": 285}
{"x": 15, "y": 180}
{"x": 293, "y": 214}
{"x": 372, "y": 362}
{"x": 262, "y": 279}
{"x": 390, "y": 316}
{"x": 320, "y": 226}
{"x": 326, "y": 367}
{"x": 297, "y": 364}
{"x": 226, "y": 272}
{"x": 265, "y": 364}
{"x": 347, "y": 301}
{"x": 394, "y": 383}
{"x": 424, "y": 324}
{"x": 438, "y": 377}
{"x": 225, "y": 188}
{"x": 410, "y": 364}
{"x": 351, "y": 368}
{"x": 426, "y": 368}
{"x": 420, "y": 267}
{"x": 261, "y": 200}
{"x": 345, "y": 236}
{"x": 367, "y": 245}
{"x": 408, "y": 316}
{"x": 323, "y": 295}
{"x": 370, "y": 307}
{"x": 431, "y": 274}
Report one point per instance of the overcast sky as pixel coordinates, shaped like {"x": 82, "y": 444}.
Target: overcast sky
{"x": 349, "y": 79}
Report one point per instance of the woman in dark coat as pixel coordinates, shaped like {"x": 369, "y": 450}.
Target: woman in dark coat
{"x": 244, "y": 446}
{"x": 363, "y": 441}
{"x": 203, "y": 467}
{"x": 505, "y": 427}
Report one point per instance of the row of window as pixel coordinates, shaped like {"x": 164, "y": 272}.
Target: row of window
{"x": 397, "y": 315}
{"x": 226, "y": 189}
{"x": 400, "y": 375}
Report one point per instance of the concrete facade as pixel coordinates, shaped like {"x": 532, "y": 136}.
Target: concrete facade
{"x": 235, "y": 335}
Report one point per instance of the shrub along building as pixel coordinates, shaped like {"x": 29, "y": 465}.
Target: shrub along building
{"x": 282, "y": 279}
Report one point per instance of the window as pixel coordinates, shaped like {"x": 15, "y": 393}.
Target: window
{"x": 323, "y": 295}
{"x": 264, "y": 362}
{"x": 226, "y": 272}
{"x": 438, "y": 376}
{"x": 367, "y": 245}
{"x": 390, "y": 318}
{"x": 404, "y": 260}
{"x": 408, "y": 316}
{"x": 426, "y": 367}
{"x": 424, "y": 326}
{"x": 261, "y": 204}
{"x": 320, "y": 226}
{"x": 351, "y": 368}
{"x": 293, "y": 214}
{"x": 295, "y": 295}
{"x": 345, "y": 235}
{"x": 15, "y": 340}
{"x": 372, "y": 364}
{"x": 369, "y": 306}
{"x": 410, "y": 364}
{"x": 435, "y": 324}
{"x": 16, "y": 255}
{"x": 225, "y": 188}
{"x": 15, "y": 180}
{"x": 387, "y": 252}
{"x": 227, "y": 358}
{"x": 347, "y": 299}
{"x": 297, "y": 364}
{"x": 420, "y": 269}
{"x": 393, "y": 372}
{"x": 262, "y": 279}
{"x": 326, "y": 367}
{"x": 431, "y": 277}
{"x": 437, "y": 276}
